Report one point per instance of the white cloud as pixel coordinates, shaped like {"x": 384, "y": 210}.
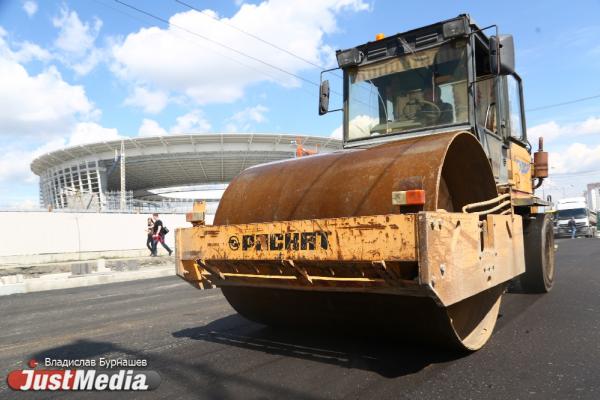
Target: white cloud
{"x": 75, "y": 36}
{"x": 549, "y": 130}
{"x": 24, "y": 52}
{"x": 254, "y": 114}
{"x": 39, "y": 114}
{"x": 358, "y": 126}
{"x": 338, "y": 133}
{"x": 590, "y": 126}
{"x": 27, "y": 204}
{"x": 76, "y": 41}
{"x": 151, "y": 101}
{"x": 552, "y": 131}
{"x": 30, "y": 8}
{"x": 192, "y": 122}
{"x": 177, "y": 61}
{"x": 91, "y": 132}
{"x": 8, "y": 201}
{"x": 88, "y": 63}
{"x": 150, "y": 127}
{"x": 30, "y": 51}
{"x": 40, "y": 106}
{"x": 328, "y": 56}
{"x": 577, "y": 157}
{"x": 15, "y": 164}
{"x": 572, "y": 164}
{"x": 243, "y": 120}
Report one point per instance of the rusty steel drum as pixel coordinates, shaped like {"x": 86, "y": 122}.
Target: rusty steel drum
{"x": 452, "y": 169}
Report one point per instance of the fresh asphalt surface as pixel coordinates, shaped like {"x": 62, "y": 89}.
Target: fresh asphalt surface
{"x": 543, "y": 347}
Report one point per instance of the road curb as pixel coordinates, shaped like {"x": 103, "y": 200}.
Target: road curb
{"x": 68, "y": 281}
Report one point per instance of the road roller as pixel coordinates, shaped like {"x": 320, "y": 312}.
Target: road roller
{"x": 417, "y": 226}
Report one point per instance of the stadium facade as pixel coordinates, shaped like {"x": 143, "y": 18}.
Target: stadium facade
{"x": 86, "y": 176}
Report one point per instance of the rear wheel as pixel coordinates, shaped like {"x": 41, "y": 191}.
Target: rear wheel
{"x": 538, "y": 238}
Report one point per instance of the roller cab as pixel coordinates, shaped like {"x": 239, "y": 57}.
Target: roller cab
{"x": 417, "y": 226}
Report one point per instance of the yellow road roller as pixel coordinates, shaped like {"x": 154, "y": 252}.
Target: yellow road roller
{"x": 418, "y": 225}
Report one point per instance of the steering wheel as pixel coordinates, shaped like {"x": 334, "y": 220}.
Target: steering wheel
{"x": 422, "y": 109}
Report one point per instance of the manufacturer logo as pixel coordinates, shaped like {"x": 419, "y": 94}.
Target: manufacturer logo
{"x": 280, "y": 241}
{"x": 234, "y": 243}
{"x": 524, "y": 166}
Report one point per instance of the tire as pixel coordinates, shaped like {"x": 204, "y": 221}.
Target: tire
{"x": 538, "y": 238}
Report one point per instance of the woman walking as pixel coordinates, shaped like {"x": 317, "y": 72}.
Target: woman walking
{"x": 158, "y": 235}
{"x": 149, "y": 231}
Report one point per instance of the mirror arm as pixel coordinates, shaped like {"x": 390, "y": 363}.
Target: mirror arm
{"x": 327, "y": 111}
{"x": 327, "y": 70}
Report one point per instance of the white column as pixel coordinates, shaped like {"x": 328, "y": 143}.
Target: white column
{"x": 123, "y": 187}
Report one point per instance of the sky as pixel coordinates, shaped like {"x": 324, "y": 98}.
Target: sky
{"x": 75, "y": 72}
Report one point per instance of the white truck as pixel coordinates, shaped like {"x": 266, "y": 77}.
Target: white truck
{"x": 577, "y": 208}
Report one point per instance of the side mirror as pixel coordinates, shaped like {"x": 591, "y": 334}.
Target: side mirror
{"x": 324, "y": 98}
{"x": 502, "y": 54}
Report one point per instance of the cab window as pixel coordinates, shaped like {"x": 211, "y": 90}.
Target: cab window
{"x": 485, "y": 89}
{"x": 486, "y": 103}
{"x": 514, "y": 108}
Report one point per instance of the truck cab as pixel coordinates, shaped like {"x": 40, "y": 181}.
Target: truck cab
{"x": 576, "y": 208}
{"x": 444, "y": 77}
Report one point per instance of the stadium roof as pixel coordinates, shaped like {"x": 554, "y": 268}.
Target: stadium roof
{"x": 179, "y": 160}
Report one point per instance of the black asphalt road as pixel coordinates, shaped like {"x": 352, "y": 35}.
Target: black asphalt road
{"x": 543, "y": 347}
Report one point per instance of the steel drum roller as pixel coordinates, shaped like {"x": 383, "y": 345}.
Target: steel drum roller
{"x": 452, "y": 169}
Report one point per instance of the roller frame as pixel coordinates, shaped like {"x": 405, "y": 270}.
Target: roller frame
{"x": 446, "y": 256}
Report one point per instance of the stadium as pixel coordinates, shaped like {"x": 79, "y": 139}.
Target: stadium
{"x": 157, "y": 169}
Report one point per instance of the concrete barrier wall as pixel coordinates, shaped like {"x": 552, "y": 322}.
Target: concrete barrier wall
{"x": 30, "y": 237}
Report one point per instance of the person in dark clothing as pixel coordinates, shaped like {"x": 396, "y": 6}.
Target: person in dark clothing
{"x": 150, "y": 231}
{"x": 158, "y": 235}
{"x": 573, "y": 227}
{"x": 446, "y": 110}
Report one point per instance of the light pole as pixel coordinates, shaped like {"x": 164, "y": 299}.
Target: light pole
{"x": 123, "y": 199}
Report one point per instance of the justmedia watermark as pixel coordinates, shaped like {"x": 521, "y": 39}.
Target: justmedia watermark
{"x": 112, "y": 374}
